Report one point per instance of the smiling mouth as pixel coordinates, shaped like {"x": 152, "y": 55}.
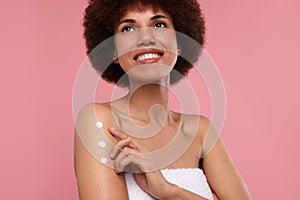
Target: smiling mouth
{"x": 148, "y": 56}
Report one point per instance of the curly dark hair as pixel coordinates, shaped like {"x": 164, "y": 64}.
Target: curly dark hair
{"x": 102, "y": 16}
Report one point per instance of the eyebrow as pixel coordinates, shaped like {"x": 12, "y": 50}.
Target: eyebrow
{"x": 155, "y": 17}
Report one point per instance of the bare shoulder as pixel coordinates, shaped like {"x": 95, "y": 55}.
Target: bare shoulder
{"x": 95, "y": 118}
{"x": 94, "y": 112}
{"x": 198, "y": 124}
{"x": 96, "y": 178}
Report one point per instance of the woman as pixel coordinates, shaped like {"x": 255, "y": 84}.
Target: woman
{"x": 147, "y": 57}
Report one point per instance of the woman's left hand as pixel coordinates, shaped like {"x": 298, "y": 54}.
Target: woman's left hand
{"x": 128, "y": 151}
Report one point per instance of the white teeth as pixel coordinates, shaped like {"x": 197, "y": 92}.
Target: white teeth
{"x": 147, "y": 56}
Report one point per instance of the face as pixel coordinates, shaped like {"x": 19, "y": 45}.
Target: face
{"x": 146, "y": 44}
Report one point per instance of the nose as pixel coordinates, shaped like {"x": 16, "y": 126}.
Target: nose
{"x": 145, "y": 37}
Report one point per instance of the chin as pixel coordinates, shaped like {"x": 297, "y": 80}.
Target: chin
{"x": 150, "y": 72}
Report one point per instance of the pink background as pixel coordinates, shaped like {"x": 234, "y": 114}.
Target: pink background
{"x": 254, "y": 43}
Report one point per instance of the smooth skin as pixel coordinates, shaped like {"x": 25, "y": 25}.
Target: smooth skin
{"x": 97, "y": 181}
{"x": 152, "y": 182}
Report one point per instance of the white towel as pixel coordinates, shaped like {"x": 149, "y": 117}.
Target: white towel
{"x": 192, "y": 179}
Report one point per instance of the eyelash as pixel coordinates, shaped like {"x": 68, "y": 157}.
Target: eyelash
{"x": 161, "y": 23}
{"x": 125, "y": 28}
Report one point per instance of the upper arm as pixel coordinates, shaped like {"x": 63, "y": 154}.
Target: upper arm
{"x": 95, "y": 180}
{"x": 222, "y": 175}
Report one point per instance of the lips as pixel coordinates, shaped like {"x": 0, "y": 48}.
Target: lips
{"x": 148, "y": 55}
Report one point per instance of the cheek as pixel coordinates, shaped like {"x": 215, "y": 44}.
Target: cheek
{"x": 124, "y": 62}
{"x": 173, "y": 46}
{"x": 169, "y": 42}
{"x": 168, "y": 39}
{"x": 124, "y": 44}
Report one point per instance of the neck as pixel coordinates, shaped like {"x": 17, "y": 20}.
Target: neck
{"x": 149, "y": 101}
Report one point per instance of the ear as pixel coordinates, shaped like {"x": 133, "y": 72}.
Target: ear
{"x": 115, "y": 57}
{"x": 178, "y": 51}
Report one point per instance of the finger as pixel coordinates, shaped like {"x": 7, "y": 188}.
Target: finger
{"x": 117, "y": 163}
{"x": 131, "y": 163}
{"x": 120, "y": 145}
{"x": 124, "y": 159}
{"x": 121, "y": 135}
{"x": 134, "y": 145}
{"x": 117, "y": 133}
{"x": 126, "y": 164}
{"x": 143, "y": 163}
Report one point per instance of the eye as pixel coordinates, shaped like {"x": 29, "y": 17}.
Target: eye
{"x": 160, "y": 25}
{"x": 127, "y": 29}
